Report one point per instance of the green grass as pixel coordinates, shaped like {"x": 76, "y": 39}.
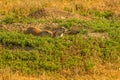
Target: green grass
{"x": 56, "y": 54}
{"x": 96, "y": 13}
{"x": 11, "y": 19}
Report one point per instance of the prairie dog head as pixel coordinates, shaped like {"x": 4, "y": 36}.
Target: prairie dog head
{"x": 59, "y": 31}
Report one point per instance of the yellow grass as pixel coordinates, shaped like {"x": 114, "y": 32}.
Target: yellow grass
{"x": 101, "y": 73}
{"x": 24, "y": 7}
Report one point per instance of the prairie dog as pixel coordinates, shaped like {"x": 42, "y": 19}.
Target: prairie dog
{"x": 33, "y": 31}
{"x": 38, "y": 32}
{"x": 59, "y": 32}
{"x": 43, "y": 33}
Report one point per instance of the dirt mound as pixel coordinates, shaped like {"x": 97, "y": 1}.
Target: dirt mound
{"x": 52, "y": 13}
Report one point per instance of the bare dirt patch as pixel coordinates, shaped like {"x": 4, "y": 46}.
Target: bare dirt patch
{"x": 98, "y": 35}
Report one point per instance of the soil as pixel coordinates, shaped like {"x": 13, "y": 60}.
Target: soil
{"x": 21, "y": 27}
{"x": 98, "y": 35}
{"x": 52, "y": 13}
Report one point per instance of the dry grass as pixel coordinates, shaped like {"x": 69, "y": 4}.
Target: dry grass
{"x": 24, "y": 7}
{"x": 102, "y": 73}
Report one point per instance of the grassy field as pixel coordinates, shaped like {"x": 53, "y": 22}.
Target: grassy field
{"x": 93, "y": 53}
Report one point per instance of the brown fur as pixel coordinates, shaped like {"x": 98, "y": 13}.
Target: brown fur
{"x": 46, "y": 33}
{"x": 33, "y": 31}
{"x": 38, "y": 32}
